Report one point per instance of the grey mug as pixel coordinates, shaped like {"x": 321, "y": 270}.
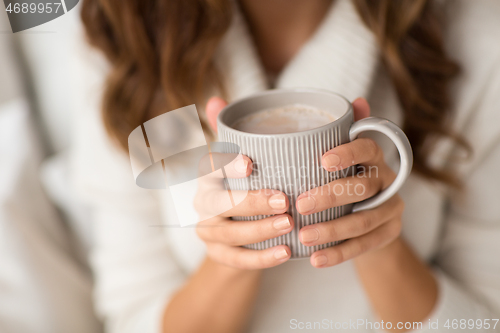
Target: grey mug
{"x": 291, "y": 162}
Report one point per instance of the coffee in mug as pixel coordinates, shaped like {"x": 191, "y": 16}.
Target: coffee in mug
{"x": 285, "y": 119}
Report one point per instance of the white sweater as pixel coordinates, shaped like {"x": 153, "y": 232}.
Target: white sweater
{"x": 140, "y": 256}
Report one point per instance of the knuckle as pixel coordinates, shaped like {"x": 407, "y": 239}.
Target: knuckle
{"x": 331, "y": 196}
{"x": 371, "y": 145}
{"x": 374, "y": 151}
{"x": 350, "y": 153}
{"x": 332, "y": 233}
{"x": 214, "y": 253}
{"x": 360, "y": 247}
{"x": 339, "y": 256}
{"x": 369, "y": 187}
{"x": 203, "y": 229}
{"x": 200, "y": 232}
{"x": 365, "y": 221}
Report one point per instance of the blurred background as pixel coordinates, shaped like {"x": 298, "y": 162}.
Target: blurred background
{"x": 43, "y": 240}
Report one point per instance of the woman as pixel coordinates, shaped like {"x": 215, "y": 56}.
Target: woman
{"x": 431, "y": 260}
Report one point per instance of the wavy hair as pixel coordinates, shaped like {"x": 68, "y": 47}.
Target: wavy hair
{"x": 161, "y": 54}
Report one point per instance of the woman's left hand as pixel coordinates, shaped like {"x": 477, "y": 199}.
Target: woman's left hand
{"x": 363, "y": 231}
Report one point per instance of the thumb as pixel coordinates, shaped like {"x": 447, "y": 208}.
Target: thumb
{"x": 361, "y": 108}
{"x": 214, "y": 107}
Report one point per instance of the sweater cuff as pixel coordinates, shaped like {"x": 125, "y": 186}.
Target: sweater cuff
{"x": 146, "y": 317}
{"x": 151, "y": 319}
{"x": 452, "y": 304}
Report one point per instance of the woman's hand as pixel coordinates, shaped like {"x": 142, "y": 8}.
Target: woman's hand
{"x": 223, "y": 236}
{"x": 363, "y": 231}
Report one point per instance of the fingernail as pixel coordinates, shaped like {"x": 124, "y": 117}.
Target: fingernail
{"x": 277, "y": 201}
{"x": 280, "y": 254}
{"x": 281, "y": 223}
{"x": 331, "y": 161}
{"x": 306, "y": 205}
{"x": 241, "y": 166}
{"x": 320, "y": 261}
{"x": 309, "y": 235}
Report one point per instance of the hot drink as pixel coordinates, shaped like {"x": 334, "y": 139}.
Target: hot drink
{"x": 286, "y": 119}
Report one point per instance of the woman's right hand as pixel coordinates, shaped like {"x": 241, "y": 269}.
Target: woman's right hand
{"x": 223, "y": 236}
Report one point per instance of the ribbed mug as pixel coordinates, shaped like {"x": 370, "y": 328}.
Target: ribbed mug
{"x": 291, "y": 162}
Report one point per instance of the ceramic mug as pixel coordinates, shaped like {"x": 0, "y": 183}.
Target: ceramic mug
{"x": 291, "y": 162}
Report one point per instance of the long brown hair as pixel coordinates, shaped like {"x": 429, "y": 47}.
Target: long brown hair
{"x": 162, "y": 51}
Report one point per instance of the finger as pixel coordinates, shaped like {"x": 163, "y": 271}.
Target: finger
{"x": 354, "y": 247}
{"x": 239, "y": 167}
{"x": 359, "y": 151}
{"x": 361, "y": 108}
{"x": 340, "y": 192}
{"x": 242, "y": 258}
{"x": 214, "y": 107}
{"x": 237, "y": 233}
{"x": 241, "y": 203}
{"x": 352, "y": 225}
{"x": 234, "y": 165}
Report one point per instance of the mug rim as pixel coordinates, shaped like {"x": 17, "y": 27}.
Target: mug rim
{"x": 227, "y": 128}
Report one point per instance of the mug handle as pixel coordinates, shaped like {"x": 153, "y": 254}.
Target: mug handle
{"x": 405, "y": 154}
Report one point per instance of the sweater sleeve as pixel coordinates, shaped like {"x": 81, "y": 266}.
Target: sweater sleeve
{"x": 135, "y": 272}
{"x": 468, "y": 264}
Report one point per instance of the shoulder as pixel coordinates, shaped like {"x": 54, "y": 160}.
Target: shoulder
{"x": 472, "y": 31}
{"x": 100, "y": 170}
{"x": 480, "y": 15}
